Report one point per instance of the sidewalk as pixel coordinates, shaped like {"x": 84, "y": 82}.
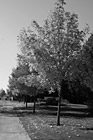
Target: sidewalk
{"x": 11, "y": 127}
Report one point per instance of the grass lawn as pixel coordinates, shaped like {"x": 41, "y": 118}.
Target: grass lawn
{"x": 76, "y": 123}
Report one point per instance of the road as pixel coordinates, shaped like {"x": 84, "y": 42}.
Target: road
{"x": 10, "y": 125}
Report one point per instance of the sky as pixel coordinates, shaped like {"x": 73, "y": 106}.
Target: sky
{"x": 16, "y": 14}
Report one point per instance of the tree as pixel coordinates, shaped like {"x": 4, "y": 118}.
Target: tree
{"x": 59, "y": 45}
{"x": 52, "y": 49}
{"x": 15, "y": 85}
{"x": 33, "y": 81}
{"x": 87, "y": 60}
{"x": 2, "y": 93}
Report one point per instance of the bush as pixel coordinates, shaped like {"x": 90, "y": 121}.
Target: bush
{"x": 51, "y": 101}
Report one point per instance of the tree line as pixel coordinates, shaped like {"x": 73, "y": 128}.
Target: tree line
{"x": 53, "y": 54}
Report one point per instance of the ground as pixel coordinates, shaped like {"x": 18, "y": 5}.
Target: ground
{"x": 76, "y": 122}
{"x": 10, "y": 126}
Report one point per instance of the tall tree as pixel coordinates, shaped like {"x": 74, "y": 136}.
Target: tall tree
{"x": 52, "y": 49}
{"x": 58, "y": 45}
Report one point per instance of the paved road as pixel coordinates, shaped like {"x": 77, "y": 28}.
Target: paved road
{"x": 10, "y": 125}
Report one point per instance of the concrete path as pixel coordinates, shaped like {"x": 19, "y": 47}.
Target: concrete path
{"x": 10, "y": 125}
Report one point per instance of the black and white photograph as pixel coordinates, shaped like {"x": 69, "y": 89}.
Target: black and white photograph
{"x": 46, "y": 69}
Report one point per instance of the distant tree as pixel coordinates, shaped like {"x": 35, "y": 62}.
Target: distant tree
{"x": 34, "y": 81}
{"x": 2, "y": 93}
{"x": 87, "y": 61}
{"x": 15, "y": 86}
{"x": 9, "y": 93}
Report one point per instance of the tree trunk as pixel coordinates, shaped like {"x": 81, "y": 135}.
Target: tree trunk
{"x": 26, "y": 104}
{"x": 26, "y": 101}
{"x": 59, "y": 105}
{"x": 34, "y": 107}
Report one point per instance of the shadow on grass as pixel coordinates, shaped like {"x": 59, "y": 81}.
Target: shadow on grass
{"x": 87, "y": 128}
{"x": 17, "y": 111}
{"x": 79, "y": 111}
{"x": 67, "y": 110}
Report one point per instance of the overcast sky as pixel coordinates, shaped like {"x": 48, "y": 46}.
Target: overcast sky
{"x": 16, "y": 14}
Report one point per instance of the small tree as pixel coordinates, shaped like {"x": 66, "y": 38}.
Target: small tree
{"x": 15, "y": 85}
{"x": 2, "y": 93}
{"x": 34, "y": 81}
